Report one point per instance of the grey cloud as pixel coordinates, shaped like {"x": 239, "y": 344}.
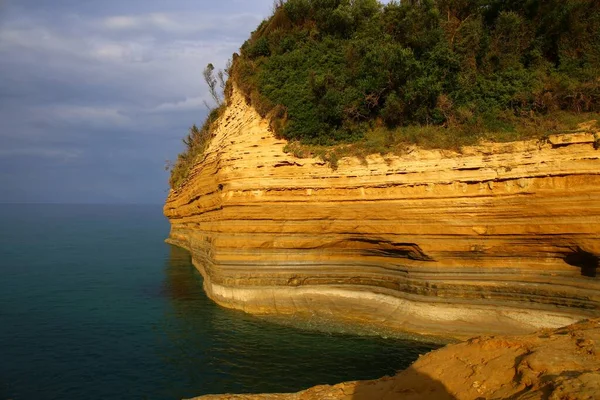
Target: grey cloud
{"x": 95, "y": 96}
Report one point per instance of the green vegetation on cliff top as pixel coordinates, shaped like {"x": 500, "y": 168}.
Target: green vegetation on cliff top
{"x": 436, "y": 72}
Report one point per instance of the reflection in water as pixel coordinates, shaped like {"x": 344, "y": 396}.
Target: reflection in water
{"x": 219, "y": 351}
{"x": 94, "y": 305}
{"x": 178, "y": 285}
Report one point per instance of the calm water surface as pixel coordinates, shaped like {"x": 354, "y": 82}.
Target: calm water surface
{"x": 93, "y": 304}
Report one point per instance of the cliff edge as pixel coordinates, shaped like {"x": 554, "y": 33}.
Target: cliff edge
{"x": 499, "y": 238}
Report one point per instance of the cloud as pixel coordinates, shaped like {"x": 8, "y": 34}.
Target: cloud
{"x": 107, "y": 89}
{"x": 111, "y": 51}
{"x": 34, "y": 38}
{"x": 148, "y": 21}
{"x": 182, "y": 24}
{"x": 190, "y": 103}
{"x": 61, "y": 154}
{"x": 50, "y": 42}
{"x": 83, "y": 116}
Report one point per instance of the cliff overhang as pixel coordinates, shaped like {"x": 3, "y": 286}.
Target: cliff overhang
{"x": 499, "y": 238}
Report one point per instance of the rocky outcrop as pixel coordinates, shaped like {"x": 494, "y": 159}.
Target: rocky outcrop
{"x": 560, "y": 364}
{"x": 499, "y": 238}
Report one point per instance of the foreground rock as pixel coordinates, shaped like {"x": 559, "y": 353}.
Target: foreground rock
{"x": 501, "y": 238}
{"x": 559, "y": 364}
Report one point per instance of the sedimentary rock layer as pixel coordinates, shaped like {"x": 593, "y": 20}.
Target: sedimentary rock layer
{"x": 497, "y": 238}
{"x": 561, "y": 364}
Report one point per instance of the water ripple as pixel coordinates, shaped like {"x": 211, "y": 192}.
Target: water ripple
{"x": 93, "y": 304}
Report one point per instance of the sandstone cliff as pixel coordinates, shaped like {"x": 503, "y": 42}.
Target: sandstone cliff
{"x": 501, "y": 238}
{"x": 562, "y": 364}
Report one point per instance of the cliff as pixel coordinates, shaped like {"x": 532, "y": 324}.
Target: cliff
{"x": 560, "y": 364}
{"x": 499, "y": 238}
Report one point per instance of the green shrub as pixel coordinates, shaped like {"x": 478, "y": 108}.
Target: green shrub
{"x": 338, "y": 66}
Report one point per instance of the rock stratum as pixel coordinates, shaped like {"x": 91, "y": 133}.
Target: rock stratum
{"x": 561, "y": 364}
{"x": 499, "y": 238}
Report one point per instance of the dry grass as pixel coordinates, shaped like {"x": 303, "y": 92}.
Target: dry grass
{"x": 380, "y": 140}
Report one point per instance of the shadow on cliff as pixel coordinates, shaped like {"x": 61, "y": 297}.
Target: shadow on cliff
{"x": 587, "y": 261}
{"x": 409, "y": 384}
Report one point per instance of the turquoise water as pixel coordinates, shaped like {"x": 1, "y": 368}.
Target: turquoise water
{"x": 93, "y": 304}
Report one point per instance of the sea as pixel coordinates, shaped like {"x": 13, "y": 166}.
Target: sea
{"x": 95, "y": 305}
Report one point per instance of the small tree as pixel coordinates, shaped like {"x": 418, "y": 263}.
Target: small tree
{"x": 211, "y": 81}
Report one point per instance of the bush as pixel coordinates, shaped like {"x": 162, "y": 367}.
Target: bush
{"x": 337, "y": 67}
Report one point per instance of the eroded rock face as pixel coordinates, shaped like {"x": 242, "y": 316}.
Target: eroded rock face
{"x": 502, "y": 238}
{"x": 559, "y": 364}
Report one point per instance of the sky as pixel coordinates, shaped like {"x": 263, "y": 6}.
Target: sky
{"x": 96, "y": 95}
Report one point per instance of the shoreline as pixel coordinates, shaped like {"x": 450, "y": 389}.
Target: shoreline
{"x": 557, "y": 364}
{"x": 376, "y": 312}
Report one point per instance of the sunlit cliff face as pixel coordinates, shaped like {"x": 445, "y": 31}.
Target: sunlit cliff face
{"x": 500, "y": 238}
